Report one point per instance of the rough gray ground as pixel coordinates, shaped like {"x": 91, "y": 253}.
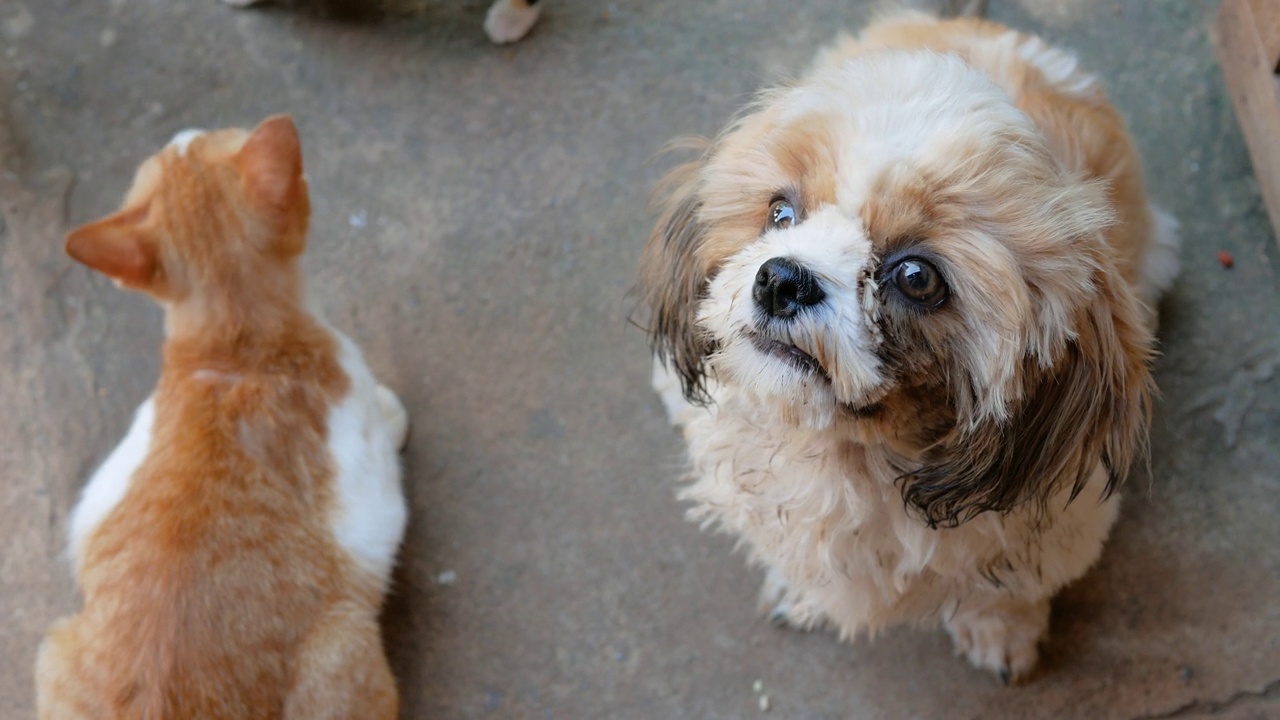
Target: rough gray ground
{"x": 479, "y": 212}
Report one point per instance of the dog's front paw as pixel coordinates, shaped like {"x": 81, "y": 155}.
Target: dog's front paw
{"x": 1001, "y": 637}
{"x": 781, "y": 606}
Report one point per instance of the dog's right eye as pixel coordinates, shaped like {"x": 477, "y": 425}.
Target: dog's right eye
{"x": 782, "y": 215}
{"x": 920, "y": 282}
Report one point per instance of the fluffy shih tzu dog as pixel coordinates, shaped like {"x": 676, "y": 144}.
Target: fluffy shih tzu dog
{"x": 903, "y": 310}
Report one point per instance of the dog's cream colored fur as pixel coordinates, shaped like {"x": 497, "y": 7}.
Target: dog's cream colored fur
{"x": 1052, "y": 251}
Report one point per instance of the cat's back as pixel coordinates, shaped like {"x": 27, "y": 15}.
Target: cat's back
{"x": 204, "y": 580}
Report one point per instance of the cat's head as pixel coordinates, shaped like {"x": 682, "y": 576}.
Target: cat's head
{"x": 211, "y": 213}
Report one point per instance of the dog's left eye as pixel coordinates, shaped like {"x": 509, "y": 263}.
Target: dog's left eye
{"x": 920, "y": 282}
{"x": 782, "y": 215}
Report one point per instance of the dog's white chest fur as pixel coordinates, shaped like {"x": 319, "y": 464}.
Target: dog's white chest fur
{"x": 826, "y": 518}
{"x": 365, "y": 430}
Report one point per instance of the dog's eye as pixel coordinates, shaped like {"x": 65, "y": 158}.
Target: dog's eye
{"x": 920, "y": 282}
{"x": 782, "y": 215}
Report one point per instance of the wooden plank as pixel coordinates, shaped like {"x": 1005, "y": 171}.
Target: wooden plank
{"x": 1266, "y": 16}
{"x": 1249, "y": 69}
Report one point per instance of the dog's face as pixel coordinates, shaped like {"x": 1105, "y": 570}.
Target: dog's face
{"x": 890, "y": 246}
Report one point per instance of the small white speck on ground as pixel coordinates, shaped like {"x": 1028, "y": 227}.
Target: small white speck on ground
{"x": 107, "y": 37}
{"x": 358, "y": 219}
{"x": 758, "y": 688}
{"x": 448, "y": 577}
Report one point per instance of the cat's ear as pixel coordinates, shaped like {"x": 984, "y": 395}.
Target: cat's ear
{"x": 119, "y": 247}
{"x": 271, "y": 164}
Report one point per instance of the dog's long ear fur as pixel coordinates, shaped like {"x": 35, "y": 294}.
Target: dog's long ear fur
{"x": 1093, "y": 402}
{"x": 673, "y": 278}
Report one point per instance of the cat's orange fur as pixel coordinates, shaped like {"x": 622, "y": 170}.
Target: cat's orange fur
{"x": 215, "y": 588}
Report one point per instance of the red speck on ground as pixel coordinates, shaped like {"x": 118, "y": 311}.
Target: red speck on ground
{"x": 1225, "y": 258}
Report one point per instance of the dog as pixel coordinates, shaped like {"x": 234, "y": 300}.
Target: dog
{"x": 903, "y": 310}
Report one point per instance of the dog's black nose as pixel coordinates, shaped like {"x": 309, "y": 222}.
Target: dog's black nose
{"x": 783, "y": 287}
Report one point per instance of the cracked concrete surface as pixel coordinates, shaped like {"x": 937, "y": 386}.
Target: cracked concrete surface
{"x": 478, "y": 216}
{"x": 1244, "y": 705}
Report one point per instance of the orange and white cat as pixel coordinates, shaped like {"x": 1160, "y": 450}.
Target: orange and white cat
{"x": 234, "y": 550}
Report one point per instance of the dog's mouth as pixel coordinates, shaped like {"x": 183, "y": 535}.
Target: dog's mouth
{"x": 788, "y": 353}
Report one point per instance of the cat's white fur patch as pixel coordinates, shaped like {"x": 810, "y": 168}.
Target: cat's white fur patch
{"x": 109, "y": 483}
{"x": 182, "y": 140}
{"x": 365, "y": 432}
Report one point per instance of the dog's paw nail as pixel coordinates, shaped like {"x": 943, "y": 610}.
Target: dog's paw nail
{"x": 1004, "y": 676}
{"x": 778, "y": 617}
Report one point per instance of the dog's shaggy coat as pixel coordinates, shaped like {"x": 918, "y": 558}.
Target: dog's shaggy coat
{"x": 903, "y": 310}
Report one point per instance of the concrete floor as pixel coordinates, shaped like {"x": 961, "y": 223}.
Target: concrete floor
{"x": 479, "y": 212}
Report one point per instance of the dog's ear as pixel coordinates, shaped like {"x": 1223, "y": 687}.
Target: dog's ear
{"x": 673, "y": 278}
{"x": 1093, "y": 403}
